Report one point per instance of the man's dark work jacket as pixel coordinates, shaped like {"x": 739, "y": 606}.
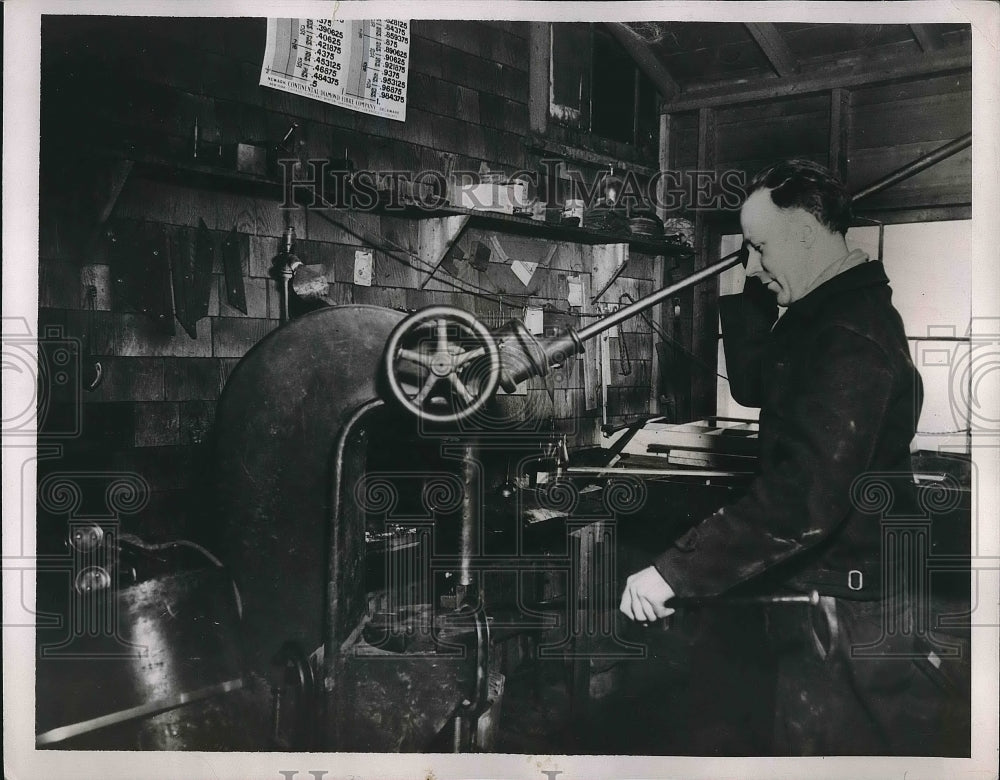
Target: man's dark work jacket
{"x": 839, "y": 399}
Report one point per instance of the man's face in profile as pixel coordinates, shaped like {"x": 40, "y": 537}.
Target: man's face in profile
{"x": 777, "y": 255}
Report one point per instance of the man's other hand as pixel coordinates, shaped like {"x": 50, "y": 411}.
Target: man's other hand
{"x": 646, "y": 595}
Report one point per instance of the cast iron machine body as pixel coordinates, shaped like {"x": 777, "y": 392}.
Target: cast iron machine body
{"x": 294, "y": 430}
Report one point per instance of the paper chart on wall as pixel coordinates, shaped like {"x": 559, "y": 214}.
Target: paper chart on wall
{"x": 360, "y": 64}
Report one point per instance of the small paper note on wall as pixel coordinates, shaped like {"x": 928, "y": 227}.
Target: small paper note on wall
{"x": 575, "y": 297}
{"x": 534, "y": 321}
{"x": 523, "y": 270}
{"x": 364, "y": 268}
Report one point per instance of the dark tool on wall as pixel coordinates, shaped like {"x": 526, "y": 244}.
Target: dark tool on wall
{"x": 232, "y": 264}
{"x": 508, "y": 489}
{"x": 282, "y": 150}
{"x": 192, "y": 255}
{"x": 480, "y": 256}
{"x": 140, "y": 272}
{"x": 625, "y": 362}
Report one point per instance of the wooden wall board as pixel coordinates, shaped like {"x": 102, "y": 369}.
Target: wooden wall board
{"x": 156, "y": 424}
{"x": 233, "y": 337}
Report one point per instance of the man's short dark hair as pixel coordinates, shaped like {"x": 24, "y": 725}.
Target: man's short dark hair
{"x": 807, "y": 185}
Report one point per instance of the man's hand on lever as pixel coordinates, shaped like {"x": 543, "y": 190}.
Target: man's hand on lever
{"x": 646, "y": 595}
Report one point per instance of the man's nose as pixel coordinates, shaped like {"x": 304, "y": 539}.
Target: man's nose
{"x": 754, "y": 268}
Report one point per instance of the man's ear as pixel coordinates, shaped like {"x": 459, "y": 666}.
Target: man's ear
{"x": 806, "y": 228}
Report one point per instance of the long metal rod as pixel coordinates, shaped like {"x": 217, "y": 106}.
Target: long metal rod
{"x": 915, "y": 167}
{"x": 613, "y": 471}
{"x": 131, "y": 713}
{"x": 764, "y": 600}
{"x": 652, "y": 300}
{"x": 811, "y": 598}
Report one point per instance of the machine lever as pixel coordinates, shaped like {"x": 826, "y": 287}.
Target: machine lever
{"x": 683, "y": 602}
{"x": 772, "y": 599}
{"x": 470, "y": 709}
{"x": 294, "y": 674}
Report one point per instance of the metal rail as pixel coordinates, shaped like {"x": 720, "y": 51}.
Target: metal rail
{"x": 915, "y": 167}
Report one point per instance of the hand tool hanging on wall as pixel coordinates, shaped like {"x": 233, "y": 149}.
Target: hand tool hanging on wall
{"x": 232, "y": 265}
{"x": 140, "y": 272}
{"x": 191, "y": 255}
{"x": 625, "y": 367}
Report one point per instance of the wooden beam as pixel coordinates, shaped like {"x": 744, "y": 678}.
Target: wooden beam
{"x": 775, "y": 49}
{"x": 539, "y": 43}
{"x": 704, "y": 311}
{"x": 840, "y": 132}
{"x": 856, "y": 75}
{"x": 666, "y": 156}
{"x": 658, "y": 312}
{"x": 927, "y": 39}
{"x": 638, "y": 49}
{"x": 706, "y": 139}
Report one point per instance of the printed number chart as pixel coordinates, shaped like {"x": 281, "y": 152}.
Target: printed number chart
{"x": 359, "y": 64}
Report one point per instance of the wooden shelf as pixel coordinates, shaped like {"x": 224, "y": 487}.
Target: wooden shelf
{"x": 509, "y": 223}
{"x": 194, "y": 173}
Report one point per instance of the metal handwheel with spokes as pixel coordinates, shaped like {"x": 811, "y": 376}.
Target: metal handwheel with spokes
{"x": 442, "y": 364}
